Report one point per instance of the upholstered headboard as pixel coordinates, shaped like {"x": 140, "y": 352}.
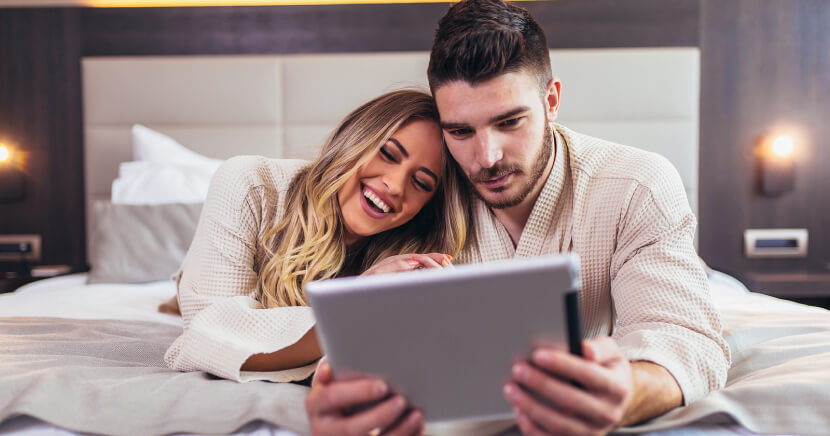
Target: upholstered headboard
{"x": 285, "y": 105}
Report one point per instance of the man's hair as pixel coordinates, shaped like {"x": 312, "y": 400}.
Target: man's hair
{"x": 478, "y": 40}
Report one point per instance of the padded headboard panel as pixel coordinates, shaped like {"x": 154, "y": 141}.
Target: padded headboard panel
{"x": 285, "y": 106}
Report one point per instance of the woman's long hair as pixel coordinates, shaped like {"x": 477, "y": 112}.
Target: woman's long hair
{"x": 308, "y": 243}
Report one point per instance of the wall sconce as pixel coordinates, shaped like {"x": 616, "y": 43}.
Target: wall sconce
{"x": 11, "y": 177}
{"x": 777, "y": 165}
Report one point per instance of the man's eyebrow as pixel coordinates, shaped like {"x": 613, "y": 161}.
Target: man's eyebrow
{"x": 495, "y": 119}
{"x": 429, "y": 173}
{"x": 509, "y": 114}
{"x": 400, "y": 147}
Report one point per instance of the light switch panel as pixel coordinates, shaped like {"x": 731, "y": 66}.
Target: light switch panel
{"x": 772, "y": 243}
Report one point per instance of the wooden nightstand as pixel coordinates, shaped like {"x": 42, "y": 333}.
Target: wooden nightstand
{"x": 10, "y": 284}
{"x": 803, "y": 287}
{"x": 10, "y": 281}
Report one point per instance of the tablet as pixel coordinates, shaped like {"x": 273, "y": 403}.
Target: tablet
{"x": 446, "y": 338}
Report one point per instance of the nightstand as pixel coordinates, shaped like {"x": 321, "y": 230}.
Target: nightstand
{"x": 10, "y": 281}
{"x": 10, "y": 284}
{"x": 804, "y": 287}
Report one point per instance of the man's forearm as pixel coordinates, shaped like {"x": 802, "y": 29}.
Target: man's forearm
{"x": 655, "y": 392}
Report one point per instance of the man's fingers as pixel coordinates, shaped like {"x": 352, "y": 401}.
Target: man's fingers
{"x": 526, "y": 425}
{"x": 590, "y": 375}
{"x": 550, "y": 420}
{"x": 566, "y": 397}
{"x": 411, "y": 424}
{"x": 381, "y": 416}
{"x": 341, "y": 395}
{"x": 322, "y": 376}
{"x": 602, "y": 350}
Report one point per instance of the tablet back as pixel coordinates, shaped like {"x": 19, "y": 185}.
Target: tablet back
{"x": 446, "y": 338}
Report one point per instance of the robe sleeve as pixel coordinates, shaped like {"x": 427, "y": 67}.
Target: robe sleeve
{"x": 660, "y": 292}
{"x": 224, "y": 323}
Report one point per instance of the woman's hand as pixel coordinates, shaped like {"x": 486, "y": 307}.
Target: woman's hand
{"x": 409, "y": 262}
{"x": 329, "y": 401}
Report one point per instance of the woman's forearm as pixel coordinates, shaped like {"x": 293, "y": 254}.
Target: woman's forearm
{"x": 301, "y": 353}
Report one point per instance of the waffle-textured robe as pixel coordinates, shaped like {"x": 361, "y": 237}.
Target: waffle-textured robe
{"x": 623, "y": 210}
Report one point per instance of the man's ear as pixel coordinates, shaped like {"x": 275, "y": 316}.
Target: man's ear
{"x": 552, "y": 98}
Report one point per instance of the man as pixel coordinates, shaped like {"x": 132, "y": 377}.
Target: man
{"x": 543, "y": 189}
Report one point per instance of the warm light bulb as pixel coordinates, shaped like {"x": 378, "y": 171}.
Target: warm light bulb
{"x": 4, "y": 153}
{"x": 783, "y": 146}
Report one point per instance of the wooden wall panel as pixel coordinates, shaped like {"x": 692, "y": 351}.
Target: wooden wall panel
{"x": 40, "y": 113}
{"x": 365, "y": 28}
{"x": 763, "y": 63}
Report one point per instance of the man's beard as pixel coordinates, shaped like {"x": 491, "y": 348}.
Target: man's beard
{"x": 540, "y": 162}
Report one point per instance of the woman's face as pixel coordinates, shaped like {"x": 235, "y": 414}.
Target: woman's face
{"x": 396, "y": 183}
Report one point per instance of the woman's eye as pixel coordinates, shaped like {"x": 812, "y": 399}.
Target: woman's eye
{"x": 422, "y": 185}
{"x": 387, "y": 155}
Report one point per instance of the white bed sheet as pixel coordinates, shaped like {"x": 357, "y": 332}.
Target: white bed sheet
{"x": 70, "y": 297}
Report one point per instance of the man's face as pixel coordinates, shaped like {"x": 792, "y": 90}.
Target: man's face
{"x": 499, "y": 132}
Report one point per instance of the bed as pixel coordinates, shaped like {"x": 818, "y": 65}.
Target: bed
{"x": 82, "y": 353}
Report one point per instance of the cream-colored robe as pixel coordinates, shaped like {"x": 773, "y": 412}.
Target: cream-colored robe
{"x": 624, "y": 211}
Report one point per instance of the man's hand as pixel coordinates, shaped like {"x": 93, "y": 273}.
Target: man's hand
{"x": 547, "y": 402}
{"x": 328, "y": 403}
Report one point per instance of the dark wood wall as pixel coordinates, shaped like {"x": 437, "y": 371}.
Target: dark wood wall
{"x": 762, "y": 61}
{"x": 40, "y": 77}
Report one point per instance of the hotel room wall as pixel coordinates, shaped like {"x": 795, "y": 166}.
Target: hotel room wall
{"x": 763, "y": 63}
{"x": 748, "y": 48}
{"x": 40, "y": 115}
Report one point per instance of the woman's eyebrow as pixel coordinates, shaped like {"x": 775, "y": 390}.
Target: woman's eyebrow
{"x": 400, "y": 147}
{"x": 429, "y": 173}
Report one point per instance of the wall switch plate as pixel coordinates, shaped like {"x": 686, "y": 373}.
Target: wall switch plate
{"x": 16, "y": 248}
{"x": 773, "y": 243}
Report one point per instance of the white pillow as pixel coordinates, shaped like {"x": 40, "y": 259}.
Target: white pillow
{"x": 164, "y": 172}
{"x": 144, "y": 183}
{"x": 152, "y": 146}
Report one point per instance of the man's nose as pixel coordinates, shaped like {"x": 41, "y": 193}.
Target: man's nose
{"x": 489, "y": 150}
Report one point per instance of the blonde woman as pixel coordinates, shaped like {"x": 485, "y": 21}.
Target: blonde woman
{"x": 381, "y": 190}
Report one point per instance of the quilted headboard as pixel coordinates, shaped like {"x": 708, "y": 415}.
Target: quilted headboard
{"x": 285, "y": 105}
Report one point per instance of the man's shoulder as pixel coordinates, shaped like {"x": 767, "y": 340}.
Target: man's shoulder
{"x": 599, "y": 159}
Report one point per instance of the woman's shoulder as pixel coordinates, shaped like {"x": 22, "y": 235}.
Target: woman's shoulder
{"x": 240, "y": 174}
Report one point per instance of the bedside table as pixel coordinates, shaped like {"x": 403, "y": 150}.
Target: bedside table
{"x": 10, "y": 284}
{"x": 804, "y": 287}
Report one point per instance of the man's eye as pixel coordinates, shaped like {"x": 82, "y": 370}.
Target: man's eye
{"x": 458, "y": 133}
{"x": 387, "y": 155}
{"x": 510, "y": 123}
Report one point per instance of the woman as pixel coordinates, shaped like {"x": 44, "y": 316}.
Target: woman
{"x": 381, "y": 188}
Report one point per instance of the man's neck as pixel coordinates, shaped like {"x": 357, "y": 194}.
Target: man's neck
{"x": 514, "y": 218}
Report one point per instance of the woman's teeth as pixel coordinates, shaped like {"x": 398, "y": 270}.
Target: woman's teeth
{"x": 376, "y": 201}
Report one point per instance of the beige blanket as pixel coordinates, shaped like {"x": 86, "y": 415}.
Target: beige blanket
{"x": 779, "y": 381}
{"x": 108, "y": 376}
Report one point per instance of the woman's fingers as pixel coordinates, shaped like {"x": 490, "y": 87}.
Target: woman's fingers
{"x": 433, "y": 260}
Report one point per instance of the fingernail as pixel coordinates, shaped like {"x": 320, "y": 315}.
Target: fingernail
{"x": 399, "y": 402}
{"x": 520, "y": 372}
{"x": 510, "y": 392}
{"x": 380, "y": 388}
{"x": 543, "y": 356}
{"x": 413, "y": 262}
